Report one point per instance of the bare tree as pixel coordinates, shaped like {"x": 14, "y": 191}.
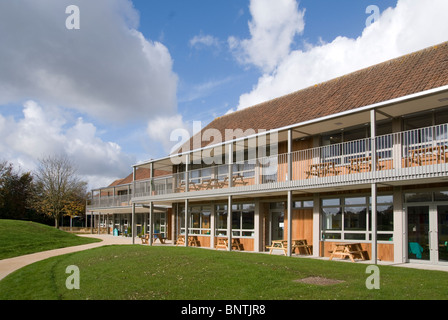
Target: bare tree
{"x": 57, "y": 185}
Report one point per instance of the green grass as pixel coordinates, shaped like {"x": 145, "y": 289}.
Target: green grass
{"x": 23, "y": 237}
{"x": 176, "y": 273}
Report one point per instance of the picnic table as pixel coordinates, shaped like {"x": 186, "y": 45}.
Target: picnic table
{"x": 360, "y": 164}
{"x": 145, "y": 238}
{"x": 428, "y": 155}
{"x": 321, "y": 169}
{"x": 192, "y": 240}
{"x": 283, "y": 245}
{"x": 222, "y": 242}
{"x": 351, "y": 250}
{"x": 159, "y": 236}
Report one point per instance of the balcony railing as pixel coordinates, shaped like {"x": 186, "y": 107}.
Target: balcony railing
{"x": 410, "y": 154}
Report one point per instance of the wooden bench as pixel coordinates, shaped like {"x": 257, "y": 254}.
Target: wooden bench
{"x": 302, "y": 243}
{"x": 277, "y": 245}
{"x": 321, "y": 169}
{"x": 351, "y": 250}
{"x": 145, "y": 239}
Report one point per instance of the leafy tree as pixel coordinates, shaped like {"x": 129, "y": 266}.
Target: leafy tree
{"x": 16, "y": 190}
{"x": 58, "y": 188}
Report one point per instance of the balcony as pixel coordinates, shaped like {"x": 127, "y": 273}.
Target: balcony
{"x": 409, "y": 155}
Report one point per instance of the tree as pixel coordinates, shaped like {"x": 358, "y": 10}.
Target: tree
{"x": 16, "y": 190}
{"x": 58, "y": 187}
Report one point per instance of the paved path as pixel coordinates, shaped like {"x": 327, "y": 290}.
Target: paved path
{"x": 9, "y": 265}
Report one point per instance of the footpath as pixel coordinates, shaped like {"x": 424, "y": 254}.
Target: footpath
{"x": 10, "y": 265}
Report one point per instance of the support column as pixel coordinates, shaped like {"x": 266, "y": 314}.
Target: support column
{"x": 374, "y": 224}
{"x": 212, "y": 226}
{"x": 229, "y": 223}
{"x": 317, "y": 226}
{"x": 258, "y": 228}
{"x": 373, "y": 186}
{"x": 289, "y": 174}
{"x": 187, "y": 174}
{"x": 289, "y": 227}
{"x": 230, "y": 162}
{"x": 133, "y": 223}
{"x": 186, "y": 222}
{"x": 399, "y": 237}
{"x": 151, "y": 223}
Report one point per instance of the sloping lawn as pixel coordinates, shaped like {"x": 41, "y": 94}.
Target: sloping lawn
{"x": 135, "y": 272}
{"x": 23, "y": 237}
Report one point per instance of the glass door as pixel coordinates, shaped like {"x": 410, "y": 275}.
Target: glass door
{"x": 418, "y": 233}
{"x": 442, "y": 233}
{"x": 428, "y": 233}
{"x": 277, "y": 225}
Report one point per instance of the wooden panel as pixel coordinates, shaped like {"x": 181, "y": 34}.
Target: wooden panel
{"x": 385, "y": 251}
{"x": 302, "y": 225}
{"x": 204, "y": 241}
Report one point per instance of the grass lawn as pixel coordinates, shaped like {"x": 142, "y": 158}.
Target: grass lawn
{"x": 23, "y": 237}
{"x": 135, "y": 272}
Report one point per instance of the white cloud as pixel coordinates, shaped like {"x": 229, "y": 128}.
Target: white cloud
{"x": 160, "y": 129}
{"x": 107, "y": 68}
{"x": 44, "y": 131}
{"x": 273, "y": 28}
{"x": 410, "y": 26}
{"x": 204, "y": 40}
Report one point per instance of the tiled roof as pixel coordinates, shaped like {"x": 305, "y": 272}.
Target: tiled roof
{"x": 416, "y": 72}
{"x": 140, "y": 174}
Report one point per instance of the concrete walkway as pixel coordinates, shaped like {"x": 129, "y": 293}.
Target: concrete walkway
{"x": 10, "y": 265}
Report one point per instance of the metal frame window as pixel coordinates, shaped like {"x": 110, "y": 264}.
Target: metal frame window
{"x": 349, "y": 218}
{"x": 243, "y": 220}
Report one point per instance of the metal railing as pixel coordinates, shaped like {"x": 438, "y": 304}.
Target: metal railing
{"x": 409, "y": 154}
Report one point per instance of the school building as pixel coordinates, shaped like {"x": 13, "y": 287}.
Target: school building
{"x": 360, "y": 159}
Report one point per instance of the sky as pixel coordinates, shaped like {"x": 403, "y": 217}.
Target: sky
{"x": 107, "y": 84}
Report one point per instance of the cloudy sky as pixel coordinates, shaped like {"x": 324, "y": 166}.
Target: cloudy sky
{"x": 110, "y": 93}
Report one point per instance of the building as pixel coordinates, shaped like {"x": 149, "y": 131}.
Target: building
{"x": 361, "y": 158}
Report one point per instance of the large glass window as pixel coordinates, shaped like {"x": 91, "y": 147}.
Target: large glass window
{"x": 349, "y": 218}
{"x": 243, "y": 220}
{"x": 199, "y": 220}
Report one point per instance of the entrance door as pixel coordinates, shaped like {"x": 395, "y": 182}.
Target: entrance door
{"x": 442, "y": 233}
{"x": 277, "y": 225}
{"x": 418, "y": 233}
{"x": 428, "y": 233}
{"x": 160, "y": 223}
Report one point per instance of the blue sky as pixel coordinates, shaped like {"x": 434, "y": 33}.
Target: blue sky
{"x": 109, "y": 94}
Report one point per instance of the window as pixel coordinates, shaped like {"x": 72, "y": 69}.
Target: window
{"x": 349, "y": 218}
{"x": 199, "y": 220}
{"x": 243, "y": 220}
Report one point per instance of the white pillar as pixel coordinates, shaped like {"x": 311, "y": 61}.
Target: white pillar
{"x": 400, "y": 255}
{"x": 212, "y": 226}
{"x": 133, "y": 223}
{"x": 289, "y": 208}
{"x": 186, "y": 222}
{"x": 151, "y": 222}
{"x": 229, "y": 223}
{"x": 258, "y": 230}
{"x": 317, "y": 226}
{"x": 374, "y": 224}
